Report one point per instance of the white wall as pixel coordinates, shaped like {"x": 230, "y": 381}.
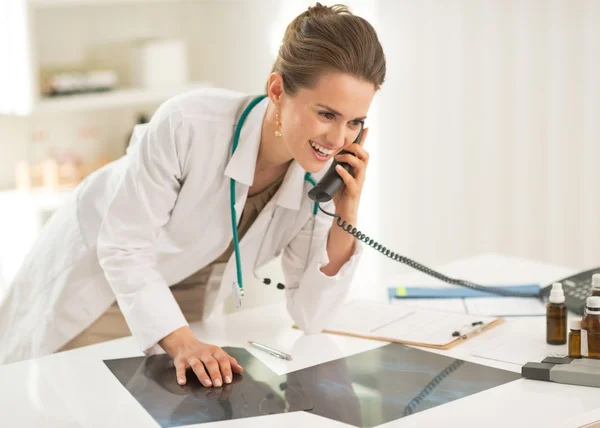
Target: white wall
{"x": 231, "y": 44}
{"x": 483, "y": 138}
{"x": 13, "y": 147}
{"x": 489, "y": 125}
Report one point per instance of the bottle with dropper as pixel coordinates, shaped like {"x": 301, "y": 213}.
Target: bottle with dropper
{"x": 575, "y": 339}
{"x": 590, "y": 328}
{"x": 556, "y": 316}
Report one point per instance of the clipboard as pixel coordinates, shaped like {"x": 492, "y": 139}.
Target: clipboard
{"x": 408, "y": 325}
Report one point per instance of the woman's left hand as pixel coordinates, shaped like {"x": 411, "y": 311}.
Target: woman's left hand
{"x": 347, "y": 198}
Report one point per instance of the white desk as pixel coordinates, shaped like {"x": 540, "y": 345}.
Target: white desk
{"x": 75, "y": 389}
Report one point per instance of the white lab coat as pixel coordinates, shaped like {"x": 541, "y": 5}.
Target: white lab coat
{"x": 156, "y": 216}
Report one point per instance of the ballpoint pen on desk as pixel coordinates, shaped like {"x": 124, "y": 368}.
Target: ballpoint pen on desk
{"x": 274, "y": 352}
{"x": 460, "y": 333}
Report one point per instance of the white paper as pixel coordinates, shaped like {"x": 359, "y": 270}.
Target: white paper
{"x": 505, "y": 306}
{"x": 519, "y": 343}
{"x": 488, "y": 306}
{"x": 584, "y": 343}
{"x": 521, "y": 353}
{"x": 364, "y": 317}
{"x": 451, "y": 305}
{"x": 404, "y": 323}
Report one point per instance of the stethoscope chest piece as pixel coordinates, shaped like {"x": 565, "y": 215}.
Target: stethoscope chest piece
{"x": 238, "y": 294}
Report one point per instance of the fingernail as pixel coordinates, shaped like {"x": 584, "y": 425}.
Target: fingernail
{"x": 338, "y": 167}
{"x": 227, "y": 379}
{"x": 181, "y": 381}
{"x": 207, "y": 382}
{"x": 217, "y": 382}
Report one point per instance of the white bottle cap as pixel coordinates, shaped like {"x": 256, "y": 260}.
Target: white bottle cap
{"x": 575, "y": 325}
{"x": 593, "y": 302}
{"x": 557, "y": 294}
{"x": 596, "y": 281}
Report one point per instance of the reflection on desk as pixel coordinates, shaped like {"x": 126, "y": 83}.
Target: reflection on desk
{"x": 363, "y": 390}
{"x": 389, "y": 383}
{"x": 152, "y": 381}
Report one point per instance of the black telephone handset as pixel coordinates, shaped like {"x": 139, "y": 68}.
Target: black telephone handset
{"x": 331, "y": 182}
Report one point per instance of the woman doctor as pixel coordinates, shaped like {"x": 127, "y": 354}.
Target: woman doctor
{"x": 160, "y": 216}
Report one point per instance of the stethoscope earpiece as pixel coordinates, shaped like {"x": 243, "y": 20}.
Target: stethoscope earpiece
{"x": 267, "y": 281}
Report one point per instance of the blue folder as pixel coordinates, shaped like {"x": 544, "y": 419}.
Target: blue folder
{"x": 455, "y": 292}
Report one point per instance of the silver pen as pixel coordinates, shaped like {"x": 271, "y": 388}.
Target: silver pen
{"x": 274, "y": 352}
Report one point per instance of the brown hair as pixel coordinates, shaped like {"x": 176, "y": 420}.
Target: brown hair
{"x": 325, "y": 39}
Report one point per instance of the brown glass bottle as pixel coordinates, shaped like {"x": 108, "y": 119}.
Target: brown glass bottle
{"x": 575, "y": 339}
{"x": 590, "y": 328}
{"x": 556, "y": 316}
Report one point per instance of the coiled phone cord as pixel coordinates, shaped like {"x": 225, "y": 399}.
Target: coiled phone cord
{"x": 418, "y": 266}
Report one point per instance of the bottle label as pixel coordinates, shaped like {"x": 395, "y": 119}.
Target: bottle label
{"x": 584, "y": 343}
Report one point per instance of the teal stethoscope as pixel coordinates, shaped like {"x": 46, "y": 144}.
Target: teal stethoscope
{"x": 238, "y": 287}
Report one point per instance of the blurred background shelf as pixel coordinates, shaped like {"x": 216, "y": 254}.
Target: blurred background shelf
{"x": 112, "y": 99}
{"x": 63, "y": 3}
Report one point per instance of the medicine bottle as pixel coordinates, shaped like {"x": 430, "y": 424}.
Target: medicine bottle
{"x": 575, "y": 339}
{"x": 595, "y": 288}
{"x": 556, "y": 316}
{"x": 590, "y": 328}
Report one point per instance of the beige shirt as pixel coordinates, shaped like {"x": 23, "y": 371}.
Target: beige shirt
{"x": 254, "y": 205}
{"x": 252, "y": 209}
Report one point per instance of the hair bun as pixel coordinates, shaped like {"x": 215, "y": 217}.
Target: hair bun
{"x": 320, "y": 10}
{"x": 326, "y": 39}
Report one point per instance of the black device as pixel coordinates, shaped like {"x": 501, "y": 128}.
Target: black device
{"x": 329, "y": 185}
{"x": 576, "y": 287}
{"x": 331, "y": 181}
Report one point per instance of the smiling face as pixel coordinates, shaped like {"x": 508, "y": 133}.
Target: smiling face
{"x": 317, "y": 123}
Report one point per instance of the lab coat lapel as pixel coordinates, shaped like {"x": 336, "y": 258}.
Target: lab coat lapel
{"x": 288, "y": 196}
{"x": 242, "y": 164}
{"x": 291, "y": 191}
{"x": 241, "y": 168}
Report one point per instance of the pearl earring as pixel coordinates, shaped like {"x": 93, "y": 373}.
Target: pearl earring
{"x": 277, "y": 125}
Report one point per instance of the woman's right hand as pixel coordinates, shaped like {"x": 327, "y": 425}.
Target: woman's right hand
{"x": 211, "y": 364}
